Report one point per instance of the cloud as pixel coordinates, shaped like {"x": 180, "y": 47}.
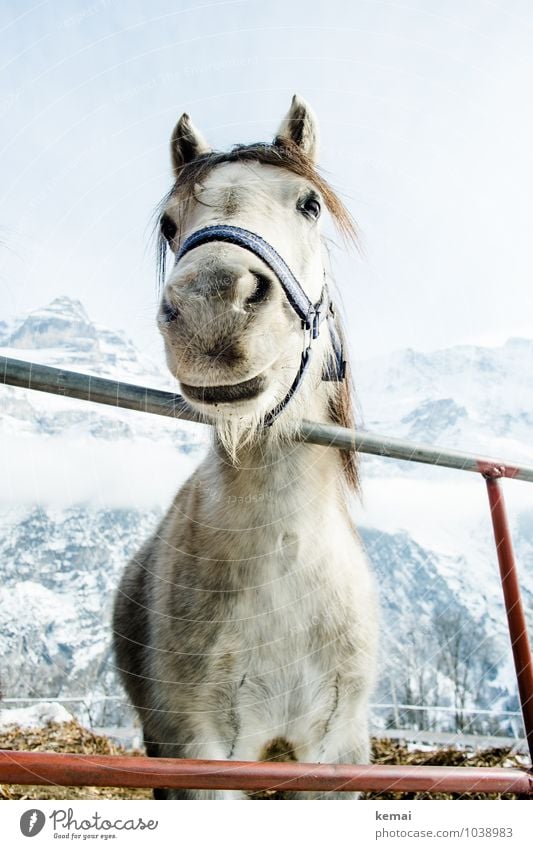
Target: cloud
{"x": 439, "y": 512}
{"x": 59, "y": 472}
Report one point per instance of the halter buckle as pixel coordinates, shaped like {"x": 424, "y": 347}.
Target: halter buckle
{"x": 315, "y": 324}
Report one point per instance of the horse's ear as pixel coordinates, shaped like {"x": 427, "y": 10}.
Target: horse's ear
{"x": 186, "y": 143}
{"x": 300, "y": 127}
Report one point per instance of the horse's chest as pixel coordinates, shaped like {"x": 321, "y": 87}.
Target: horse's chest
{"x": 282, "y": 651}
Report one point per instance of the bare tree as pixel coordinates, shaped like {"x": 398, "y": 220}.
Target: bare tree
{"x": 412, "y": 674}
{"x": 454, "y": 634}
{"x": 465, "y": 657}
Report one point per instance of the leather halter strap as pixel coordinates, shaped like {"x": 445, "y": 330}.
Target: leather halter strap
{"x": 311, "y": 315}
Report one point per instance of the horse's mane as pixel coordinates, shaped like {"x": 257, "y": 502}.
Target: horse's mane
{"x": 282, "y": 153}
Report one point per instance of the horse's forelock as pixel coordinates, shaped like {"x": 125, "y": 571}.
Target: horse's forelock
{"x": 282, "y": 154}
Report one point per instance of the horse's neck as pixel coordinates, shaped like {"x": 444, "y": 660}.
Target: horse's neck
{"x": 287, "y": 466}
{"x": 273, "y": 483}
{"x": 282, "y": 502}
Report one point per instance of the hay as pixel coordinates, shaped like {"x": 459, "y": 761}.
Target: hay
{"x": 65, "y": 737}
{"x": 386, "y": 751}
{"x": 71, "y": 737}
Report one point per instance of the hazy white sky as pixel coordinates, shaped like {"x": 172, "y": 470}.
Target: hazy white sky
{"x": 427, "y": 131}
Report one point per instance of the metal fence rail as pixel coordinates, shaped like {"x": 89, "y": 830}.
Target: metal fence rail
{"x": 128, "y": 396}
{"x": 123, "y": 771}
{"x": 46, "y": 768}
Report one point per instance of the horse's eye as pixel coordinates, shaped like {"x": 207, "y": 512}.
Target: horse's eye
{"x": 262, "y": 288}
{"x": 168, "y": 227}
{"x": 168, "y": 312}
{"x": 310, "y": 207}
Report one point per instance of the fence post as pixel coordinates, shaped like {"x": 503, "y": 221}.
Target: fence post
{"x": 513, "y": 600}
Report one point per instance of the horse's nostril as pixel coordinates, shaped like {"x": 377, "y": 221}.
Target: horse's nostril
{"x": 262, "y": 288}
{"x": 169, "y": 312}
{"x": 225, "y": 355}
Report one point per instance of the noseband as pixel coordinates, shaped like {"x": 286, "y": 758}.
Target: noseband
{"x": 311, "y": 315}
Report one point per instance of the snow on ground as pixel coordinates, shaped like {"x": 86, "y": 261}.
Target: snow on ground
{"x": 36, "y": 716}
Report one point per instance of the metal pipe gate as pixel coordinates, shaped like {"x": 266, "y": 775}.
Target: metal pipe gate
{"x": 117, "y": 771}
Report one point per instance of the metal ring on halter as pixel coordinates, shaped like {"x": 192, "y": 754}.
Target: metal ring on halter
{"x": 311, "y": 315}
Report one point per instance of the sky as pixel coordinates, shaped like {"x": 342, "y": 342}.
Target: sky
{"x": 426, "y": 126}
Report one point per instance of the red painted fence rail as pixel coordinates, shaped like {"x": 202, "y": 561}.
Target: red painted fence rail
{"x": 118, "y": 771}
{"x": 123, "y": 771}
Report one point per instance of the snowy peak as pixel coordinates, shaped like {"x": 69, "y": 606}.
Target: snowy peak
{"x": 62, "y": 334}
{"x": 64, "y": 307}
{"x": 63, "y": 323}
{"x": 427, "y": 421}
{"x": 521, "y": 345}
{"x": 471, "y": 397}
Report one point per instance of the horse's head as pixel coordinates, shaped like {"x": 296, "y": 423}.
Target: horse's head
{"x": 232, "y": 336}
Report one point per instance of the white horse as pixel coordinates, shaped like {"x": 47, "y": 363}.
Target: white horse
{"x": 246, "y": 627}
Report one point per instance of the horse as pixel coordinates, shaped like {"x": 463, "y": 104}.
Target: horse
{"x": 246, "y": 626}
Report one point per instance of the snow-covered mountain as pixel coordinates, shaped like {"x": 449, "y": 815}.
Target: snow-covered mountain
{"x": 62, "y": 332}
{"x": 477, "y": 398}
{"x": 84, "y": 484}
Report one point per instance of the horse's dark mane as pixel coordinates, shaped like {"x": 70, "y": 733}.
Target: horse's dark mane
{"x": 341, "y": 411}
{"x": 282, "y": 154}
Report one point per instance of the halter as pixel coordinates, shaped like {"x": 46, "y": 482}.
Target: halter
{"x": 311, "y": 315}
